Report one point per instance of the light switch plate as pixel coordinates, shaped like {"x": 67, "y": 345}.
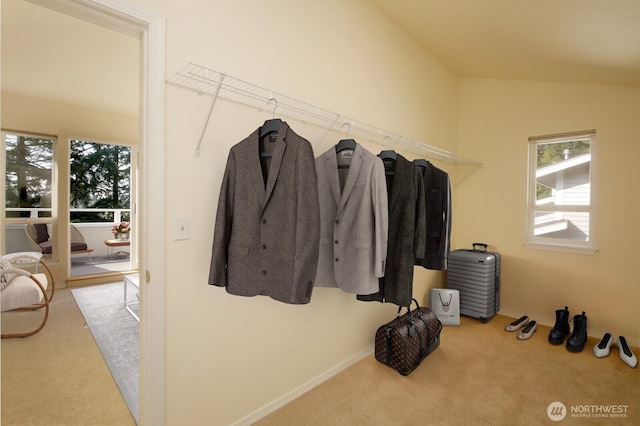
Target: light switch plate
{"x": 182, "y": 228}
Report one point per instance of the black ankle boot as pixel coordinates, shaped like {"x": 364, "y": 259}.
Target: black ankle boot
{"x": 578, "y": 338}
{"x": 560, "y": 329}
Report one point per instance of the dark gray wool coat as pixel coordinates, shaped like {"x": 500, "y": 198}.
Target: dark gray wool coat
{"x": 267, "y": 226}
{"x": 406, "y": 232}
{"x": 437, "y": 188}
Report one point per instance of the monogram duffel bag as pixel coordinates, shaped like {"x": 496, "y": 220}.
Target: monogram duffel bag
{"x": 403, "y": 343}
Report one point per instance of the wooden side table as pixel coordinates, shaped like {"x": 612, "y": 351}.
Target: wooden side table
{"x": 116, "y": 243}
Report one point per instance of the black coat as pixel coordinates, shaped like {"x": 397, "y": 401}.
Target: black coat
{"x": 406, "y": 232}
{"x": 437, "y": 189}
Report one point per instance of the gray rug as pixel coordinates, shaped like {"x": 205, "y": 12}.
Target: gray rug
{"x": 116, "y": 333}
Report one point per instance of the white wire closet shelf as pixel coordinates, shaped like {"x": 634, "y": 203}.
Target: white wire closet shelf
{"x": 204, "y": 80}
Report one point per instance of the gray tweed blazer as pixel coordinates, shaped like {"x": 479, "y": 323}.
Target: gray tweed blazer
{"x": 268, "y": 224}
{"x": 354, "y": 221}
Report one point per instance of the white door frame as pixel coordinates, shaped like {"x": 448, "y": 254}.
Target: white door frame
{"x": 149, "y": 28}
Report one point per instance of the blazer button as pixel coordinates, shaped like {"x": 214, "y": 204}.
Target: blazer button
{"x": 336, "y": 241}
{"x": 264, "y": 221}
{"x": 264, "y": 247}
{"x": 337, "y": 260}
{"x": 264, "y": 272}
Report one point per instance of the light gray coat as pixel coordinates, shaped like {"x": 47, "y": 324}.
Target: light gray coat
{"x": 353, "y": 222}
{"x": 267, "y": 230}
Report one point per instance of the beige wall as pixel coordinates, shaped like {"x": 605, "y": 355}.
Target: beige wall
{"x": 229, "y": 356}
{"x": 66, "y": 121}
{"x": 496, "y": 119}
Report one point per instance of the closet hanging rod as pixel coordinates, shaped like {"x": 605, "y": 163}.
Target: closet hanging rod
{"x": 204, "y": 80}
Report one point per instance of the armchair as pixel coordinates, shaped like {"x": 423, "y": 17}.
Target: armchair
{"x": 21, "y": 290}
{"x": 39, "y": 239}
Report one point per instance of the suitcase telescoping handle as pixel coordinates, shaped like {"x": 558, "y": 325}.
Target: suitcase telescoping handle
{"x": 483, "y": 245}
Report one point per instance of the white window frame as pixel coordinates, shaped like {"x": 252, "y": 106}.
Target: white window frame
{"x": 19, "y": 222}
{"x": 559, "y": 244}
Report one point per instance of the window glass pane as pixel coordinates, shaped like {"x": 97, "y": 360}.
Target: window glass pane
{"x": 562, "y": 225}
{"x": 563, "y": 173}
{"x": 100, "y": 182}
{"x": 560, "y": 203}
{"x": 29, "y": 175}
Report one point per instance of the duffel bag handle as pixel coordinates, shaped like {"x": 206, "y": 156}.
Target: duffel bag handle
{"x": 483, "y": 245}
{"x": 408, "y": 307}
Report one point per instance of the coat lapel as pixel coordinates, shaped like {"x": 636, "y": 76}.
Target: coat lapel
{"x": 352, "y": 176}
{"x": 401, "y": 179}
{"x": 276, "y": 161}
{"x": 331, "y": 165}
{"x": 251, "y": 156}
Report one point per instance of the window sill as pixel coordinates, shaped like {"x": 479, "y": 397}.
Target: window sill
{"x": 565, "y": 248}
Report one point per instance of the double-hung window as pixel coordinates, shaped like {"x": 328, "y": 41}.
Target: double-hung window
{"x": 560, "y": 191}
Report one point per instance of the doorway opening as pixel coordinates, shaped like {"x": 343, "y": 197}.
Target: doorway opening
{"x": 102, "y": 201}
{"x": 149, "y": 29}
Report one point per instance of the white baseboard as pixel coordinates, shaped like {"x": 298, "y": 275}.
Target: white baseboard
{"x": 300, "y": 390}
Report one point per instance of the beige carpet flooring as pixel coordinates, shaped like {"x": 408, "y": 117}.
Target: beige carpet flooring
{"x": 480, "y": 375}
{"x": 58, "y": 376}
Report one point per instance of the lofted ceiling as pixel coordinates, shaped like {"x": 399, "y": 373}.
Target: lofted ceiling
{"x": 51, "y": 55}
{"x": 585, "y": 41}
